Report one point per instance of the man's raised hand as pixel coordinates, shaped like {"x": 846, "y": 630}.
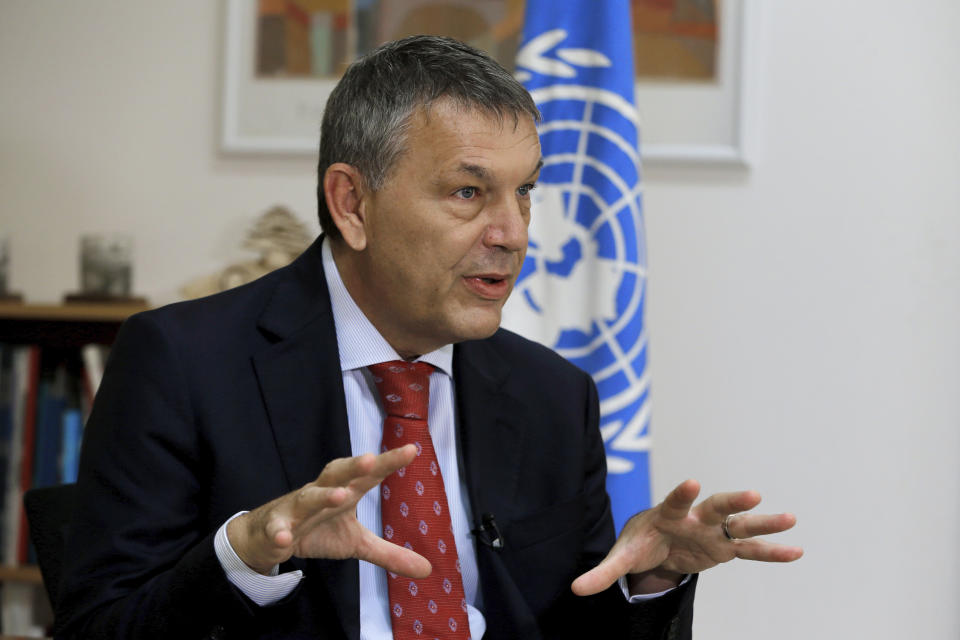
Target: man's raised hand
{"x": 659, "y": 545}
{"x": 319, "y": 520}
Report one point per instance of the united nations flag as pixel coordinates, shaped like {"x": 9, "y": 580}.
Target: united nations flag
{"x": 582, "y": 287}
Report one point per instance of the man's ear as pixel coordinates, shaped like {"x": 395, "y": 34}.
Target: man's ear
{"x": 343, "y": 189}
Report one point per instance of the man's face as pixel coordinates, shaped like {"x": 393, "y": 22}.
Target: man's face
{"x": 447, "y": 233}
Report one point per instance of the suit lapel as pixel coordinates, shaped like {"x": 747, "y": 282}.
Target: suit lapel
{"x": 489, "y": 436}
{"x": 491, "y": 440}
{"x": 302, "y": 387}
{"x": 299, "y": 373}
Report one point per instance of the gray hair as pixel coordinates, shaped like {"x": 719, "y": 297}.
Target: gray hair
{"x": 368, "y": 114}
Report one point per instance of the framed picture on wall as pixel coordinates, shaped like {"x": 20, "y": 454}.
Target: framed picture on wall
{"x": 283, "y": 57}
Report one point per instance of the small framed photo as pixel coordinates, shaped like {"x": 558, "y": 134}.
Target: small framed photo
{"x": 106, "y": 266}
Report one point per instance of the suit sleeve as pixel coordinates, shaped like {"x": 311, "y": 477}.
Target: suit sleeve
{"x": 139, "y": 561}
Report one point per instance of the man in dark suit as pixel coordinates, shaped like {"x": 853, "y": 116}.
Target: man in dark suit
{"x": 225, "y": 480}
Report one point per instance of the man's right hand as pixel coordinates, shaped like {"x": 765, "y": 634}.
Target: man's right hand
{"x": 320, "y": 520}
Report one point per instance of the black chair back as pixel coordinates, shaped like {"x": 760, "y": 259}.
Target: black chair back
{"x": 49, "y": 510}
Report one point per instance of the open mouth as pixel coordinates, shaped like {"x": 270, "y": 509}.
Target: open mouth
{"x": 488, "y": 286}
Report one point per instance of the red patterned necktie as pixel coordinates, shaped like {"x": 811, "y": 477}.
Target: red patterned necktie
{"x": 413, "y": 504}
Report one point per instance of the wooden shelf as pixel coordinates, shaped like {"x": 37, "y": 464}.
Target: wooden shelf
{"x": 64, "y": 325}
{"x": 73, "y": 312}
{"x": 28, "y": 574}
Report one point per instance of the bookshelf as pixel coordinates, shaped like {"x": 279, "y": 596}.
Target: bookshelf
{"x": 61, "y": 332}
{"x": 25, "y": 575}
{"x": 63, "y": 326}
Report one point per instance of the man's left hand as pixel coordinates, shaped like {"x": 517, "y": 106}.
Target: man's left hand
{"x": 658, "y": 546}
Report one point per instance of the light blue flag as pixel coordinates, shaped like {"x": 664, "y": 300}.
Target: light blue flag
{"x": 582, "y": 287}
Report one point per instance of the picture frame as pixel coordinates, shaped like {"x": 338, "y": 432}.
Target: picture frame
{"x": 707, "y": 123}
{"x": 686, "y": 122}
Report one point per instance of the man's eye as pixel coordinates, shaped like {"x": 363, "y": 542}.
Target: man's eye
{"x": 467, "y": 193}
{"x": 526, "y": 189}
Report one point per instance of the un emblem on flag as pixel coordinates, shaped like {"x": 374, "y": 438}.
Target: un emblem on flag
{"x": 582, "y": 288}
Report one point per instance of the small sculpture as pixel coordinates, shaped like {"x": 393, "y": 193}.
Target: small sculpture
{"x": 277, "y": 235}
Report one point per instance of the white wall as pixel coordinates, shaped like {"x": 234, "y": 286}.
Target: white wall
{"x": 804, "y": 313}
{"x": 804, "y": 320}
{"x": 110, "y": 115}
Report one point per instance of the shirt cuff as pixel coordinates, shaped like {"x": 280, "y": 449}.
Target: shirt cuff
{"x": 640, "y": 597}
{"x": 264, "y": 590}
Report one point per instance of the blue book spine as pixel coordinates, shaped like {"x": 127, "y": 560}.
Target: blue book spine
{"x": 50, "y": 408}
{"x": 70, "y": 447}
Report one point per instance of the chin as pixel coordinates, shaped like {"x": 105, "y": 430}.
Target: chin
{"x": 480, "y": 325}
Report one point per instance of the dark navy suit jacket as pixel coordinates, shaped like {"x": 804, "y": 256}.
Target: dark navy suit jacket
{"x": 217, "y": 405}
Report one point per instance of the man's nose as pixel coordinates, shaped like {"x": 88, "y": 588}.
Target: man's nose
{"x": 508, "y": 223}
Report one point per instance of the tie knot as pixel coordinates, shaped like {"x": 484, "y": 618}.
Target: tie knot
{"x": 404, "y": 387}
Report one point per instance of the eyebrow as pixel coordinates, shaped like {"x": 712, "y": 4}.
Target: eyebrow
{"x": 475, "y": 170}
{"x": 537, "y": 168}
{"x": 481, "y": 173}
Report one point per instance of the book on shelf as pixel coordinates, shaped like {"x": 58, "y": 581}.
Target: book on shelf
{"x": 28, "y": 428}
{"x": 71, "y": 435}
{"x": 45, "y": 399}
{"x": 6, "y": 430}
{"x": 21, "y": 357}
{"x": 94, "y": 357}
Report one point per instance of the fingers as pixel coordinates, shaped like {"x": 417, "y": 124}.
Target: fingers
{"x": 279, "y": 531}
{"x": 762, "y": 551}
{"x": 677, "y": 504}
{"x": 717, "y": 507}
{"x": 603, "y": 575}
{"x": 389, "y": 461}
{"x": 679, "y": 539}
{"x": 339, "y": 487}
{"x": 310, "y": 500}
{"x": 343, "y": 471}
{"x": 393, "y": 557}
{"x": 266, "y": 536}
{"x": 748, "y": 526}
{"x": 744, "y": 527}
{"x": 383, "y": 465}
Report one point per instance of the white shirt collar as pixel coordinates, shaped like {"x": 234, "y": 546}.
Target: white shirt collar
{"x": 359, "y": 342}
